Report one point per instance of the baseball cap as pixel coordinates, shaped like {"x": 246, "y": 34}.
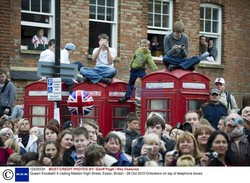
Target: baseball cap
{"x": 70, "y": 46}
{"x": 220, "y": 80}
{"x": 67, "y": 124}
{"x": 214, "y": 90}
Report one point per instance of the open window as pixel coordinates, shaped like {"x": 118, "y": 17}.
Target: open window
{"x": 102, "y": 19}
{"x": 210, "y": 27}
{"x": 160, "y": 16}
{"x": 35, "y": 15}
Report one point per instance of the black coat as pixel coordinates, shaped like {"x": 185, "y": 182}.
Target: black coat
{"x": 130, "y": 136}
{"x": 67, "y": 159}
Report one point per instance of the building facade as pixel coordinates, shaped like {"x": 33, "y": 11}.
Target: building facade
{"x": 127, "y": 22}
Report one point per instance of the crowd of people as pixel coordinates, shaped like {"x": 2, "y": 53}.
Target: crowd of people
{"x": 196, "y": 142}
{"x": 217, "y": 135}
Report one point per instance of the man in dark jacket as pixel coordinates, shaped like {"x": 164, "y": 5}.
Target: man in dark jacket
{"x": 155, "y": 124}
{"x": 214, "y": 110}
{"x": 7, "y": 94}
{"x": 131, "y": 132}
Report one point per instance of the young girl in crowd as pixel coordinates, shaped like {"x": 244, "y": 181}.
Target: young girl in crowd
{"x": 50, "y": 154}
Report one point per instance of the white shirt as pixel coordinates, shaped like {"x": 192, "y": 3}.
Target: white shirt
{"x": 102, "y": 59}
{"x": 65, "y": 56}
{"x": 47, "y": 56}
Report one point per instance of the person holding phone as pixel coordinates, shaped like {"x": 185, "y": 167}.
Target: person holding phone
{"x": 50, "y": 155}
{"x": 176, "y": 50}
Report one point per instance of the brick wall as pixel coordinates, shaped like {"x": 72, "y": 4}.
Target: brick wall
{"x": 5, "y": 36}
{"x": 132, "y": 27}
{"x": 75, "y": 26}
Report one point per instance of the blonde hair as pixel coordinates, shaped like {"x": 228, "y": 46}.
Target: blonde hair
{"x": 12, "y": 143}
{"x": 21, "y": 121}
{"x": 144, "y": 41}
{"x": 188, "y": 136}
{"x": 151, "y": 163}
{"x": 6, "y": 130}
{"x": 152, "y": 138}
{"x": 206, "y": 128}
{"x": 204, "y": 121}
{"x": 168, "y": 127}
{"x": 15, "y": 159}
{"x": 178, "y": 27}
{"x": 185, "y": 160}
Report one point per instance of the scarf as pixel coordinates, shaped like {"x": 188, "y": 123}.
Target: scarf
{"x": 36, "y": 40}
{"x": 25, "y": 139}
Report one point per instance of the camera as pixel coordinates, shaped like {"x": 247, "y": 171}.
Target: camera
{"x": 141, "y": 160}
{"x": 150, "y": 148}
{"x": 238, "y": 121}
{"x": 212, "y": 155}
{"x": 173, "y": 153}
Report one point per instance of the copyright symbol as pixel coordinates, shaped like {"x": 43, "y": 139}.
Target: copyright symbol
{"x": 8, "y": 174}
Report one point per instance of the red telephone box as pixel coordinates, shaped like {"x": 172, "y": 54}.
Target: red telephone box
{"x": 38, "y": 109}
{"x": 108, "y": 112}
{"x": 172, "y": 94}
{"x": 117, "y": 111}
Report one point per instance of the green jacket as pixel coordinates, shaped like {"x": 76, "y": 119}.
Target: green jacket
{"x": 140, "y": 60}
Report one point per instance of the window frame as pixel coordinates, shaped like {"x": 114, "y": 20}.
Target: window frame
{"x": 114, "y": 23}
{"x": 216, "y": 36}
{"x": 50, "y": 26}
{"x": 162, "y": 31}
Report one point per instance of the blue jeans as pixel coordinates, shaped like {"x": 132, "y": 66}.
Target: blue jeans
{"x": 134, "y": 74}
{"x": 69, "y": 83}
{"x": 96, "y": 74}
{"x": 79, "y": 64}
{"x": 185, "y": 63}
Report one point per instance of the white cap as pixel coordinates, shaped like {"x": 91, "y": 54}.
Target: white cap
{"x": 220, "y": 80}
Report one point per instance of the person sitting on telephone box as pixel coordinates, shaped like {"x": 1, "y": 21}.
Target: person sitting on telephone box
{"x": 226, "y": 98}
{"x": 104, "y": 56}
{"x": 39, "y": 39}
{"x": 49, "y": 56}
{"x": 142, "y": 57}
{"x": 176, "y": 50}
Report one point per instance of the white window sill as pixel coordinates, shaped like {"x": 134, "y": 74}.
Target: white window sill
{"x": 32, "y": 52}
{"x": 203, "y": 64}
{"x": 157, "y": 60}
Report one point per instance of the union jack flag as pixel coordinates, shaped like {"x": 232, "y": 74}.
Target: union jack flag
{"x": 80, "y": 102}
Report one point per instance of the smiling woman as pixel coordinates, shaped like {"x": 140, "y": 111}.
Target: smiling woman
{"x": 219, "y": 142}
{"x": 186, "y": 145}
